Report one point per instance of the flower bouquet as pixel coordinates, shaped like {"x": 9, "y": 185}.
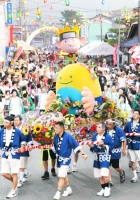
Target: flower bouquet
{"x": 43, "y": 134}
{"x": 109, "y": 109}
{"x": 80, "y": 125}
{"x": 42, "y": 128}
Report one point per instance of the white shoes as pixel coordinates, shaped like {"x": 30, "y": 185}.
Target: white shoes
{"x": 134, "y": 180}
{"x": 101, "y": 193}
{"x": 67, "y": 192}
{"x": 12, "y": 194}
{"x": 20, "y": 184}
{"x": 24, "y": 179}
{"x": 27, "y": 174}
{"x": 107, "y": 192}
{"x": 74, "y": 169}
{"x": 57, "y": 196}
{"x": 104, "y": 192}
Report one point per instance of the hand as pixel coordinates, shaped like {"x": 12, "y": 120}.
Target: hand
{"x": 124, "y": 152}
{"x": 50, "y": 97}
{"x": 101, "y": 143}
{"x": 87, "y": 100}
{"x": 90, "y": 145}
{"x": 22, "y": 149}
{"x": 85, "y": 156}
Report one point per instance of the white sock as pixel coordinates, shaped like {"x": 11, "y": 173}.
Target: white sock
{"x": 21, "y": 175}
{"x": 137, "y": 165}
{"x": 135, "y": 174}
{"x": 74, "y": 163}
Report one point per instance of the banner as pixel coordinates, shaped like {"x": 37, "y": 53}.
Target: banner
{"x": 19, "y": 51}
{"x": 11, "y": 52}
{"x": 115, "y": 54}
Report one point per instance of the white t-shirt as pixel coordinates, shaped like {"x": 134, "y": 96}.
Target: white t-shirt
{"x": 42, "y": 100}
{"x": 54, "y": 76}
{"x": 134, "y": 124}
{"x": 121, "y": 82}
{"x": 111, "y": 132}
{"x": 99, "y": 137}
{"x": 15, "y": 106}
{"x": 8, "y": 137}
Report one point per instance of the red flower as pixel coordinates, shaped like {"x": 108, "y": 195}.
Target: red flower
{"x": 84, "y": 131}
{"x": 105, "y": 99}
{"x": 44, "y": 129}
{"x": 40, "y": 135}
{"x": 110, "y": 109}
{"x": 93, "y": 128}
{"x": 64, "y": 112}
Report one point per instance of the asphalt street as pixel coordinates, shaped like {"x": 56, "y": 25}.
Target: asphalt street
{"x": 83, "y": 183}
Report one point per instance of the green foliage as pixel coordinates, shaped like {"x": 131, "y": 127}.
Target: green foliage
{"x": 69, "y": 15}
{"x": 123, "y": 31}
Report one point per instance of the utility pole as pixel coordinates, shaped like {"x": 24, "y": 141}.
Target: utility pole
{"x": 101, "y": 27}
{"x": 139, "y": 22}
{"x": 118, "y": 49}
{"x": 20, "y": 19}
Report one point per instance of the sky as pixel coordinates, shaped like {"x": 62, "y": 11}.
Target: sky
{"x": 89, "y": 8}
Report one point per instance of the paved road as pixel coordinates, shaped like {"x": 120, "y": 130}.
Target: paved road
{"x": 82, "y": 182}
{"x": 84, "y": 185}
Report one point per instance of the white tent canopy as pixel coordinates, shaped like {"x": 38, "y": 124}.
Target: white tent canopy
{"x": 97, "y": 48}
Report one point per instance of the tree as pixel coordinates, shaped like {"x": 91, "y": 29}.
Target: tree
{"x": 113, "y": 33}
{"x": 71, "y": 17}
{"x": 112, "y": 36}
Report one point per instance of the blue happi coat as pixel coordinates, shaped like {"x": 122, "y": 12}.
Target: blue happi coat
{"x": 18, "y": 140}
{"x": 133, "y": 142}
{"x": 117, "y": 140}
{"x": 102, "y": 155}
{"x": 64, "y": 154}
{"x": 29, "y": 141}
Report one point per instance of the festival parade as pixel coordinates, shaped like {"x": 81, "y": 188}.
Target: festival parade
{"x": 69, "y": 99}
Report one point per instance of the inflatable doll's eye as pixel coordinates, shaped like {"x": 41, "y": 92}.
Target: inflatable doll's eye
{"x": 65, "y": 41}
{"x": 70, "y": 76}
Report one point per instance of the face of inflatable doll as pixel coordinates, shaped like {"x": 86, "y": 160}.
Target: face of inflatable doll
{"x": 70, "y": 45}
{"x": 71, "y": 81}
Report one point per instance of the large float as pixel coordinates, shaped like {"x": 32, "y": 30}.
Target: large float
{"x": 78, "y": 101}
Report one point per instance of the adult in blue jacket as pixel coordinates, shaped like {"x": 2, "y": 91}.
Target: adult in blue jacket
{"x": 134, "y": 142}
{"x": 11, "y": 140}
{"x": 102, "y": 158}
{"x": 63, "y": 145}
{"x": 119, "y": 141}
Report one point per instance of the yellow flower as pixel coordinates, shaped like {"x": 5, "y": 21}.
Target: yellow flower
{"x": 66, "y": 106}
{"x": 37, "y": 128}
{"x": 47, "y": 134}
{"x": 25, "y": 130}
{"x": 112, "y": 105}
{"x": 53, "y": 134}
{"x": 97, "y": 115}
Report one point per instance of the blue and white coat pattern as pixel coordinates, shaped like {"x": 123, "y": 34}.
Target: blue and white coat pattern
{"x": 133, "y": 142}
{"x": 118, "y": 136}
{"x": 17, "y": 139}
{"x": 102, "y": 155}
{"x": 64, "y": 153}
